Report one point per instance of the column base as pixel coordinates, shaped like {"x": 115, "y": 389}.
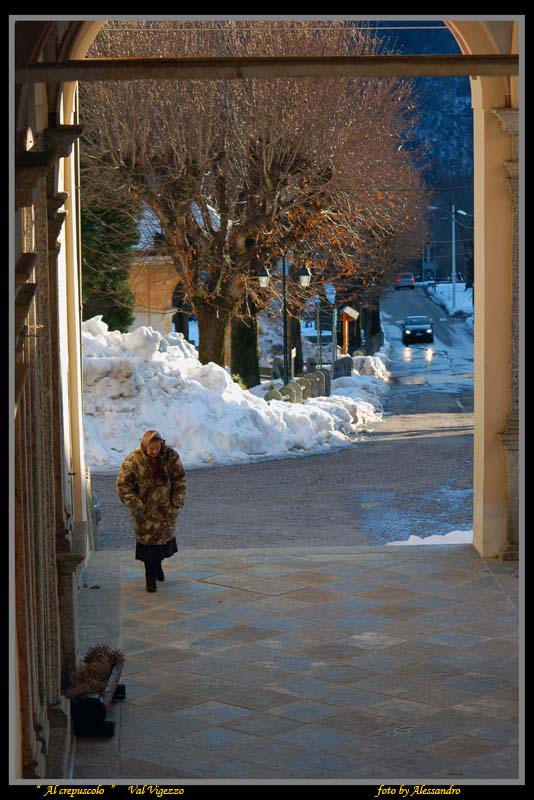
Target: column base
{"x": 60, "y": 740}
{"x": 510, "y": 441}
{"x": 510, "y": 552}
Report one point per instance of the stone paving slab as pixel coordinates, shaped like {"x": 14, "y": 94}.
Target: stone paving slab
{"x": 355, "y": 663}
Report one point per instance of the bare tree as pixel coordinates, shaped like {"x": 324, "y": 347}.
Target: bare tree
{"x": 237, "y": 172}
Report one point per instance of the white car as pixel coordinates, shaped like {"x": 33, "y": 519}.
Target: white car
{"x": 417, "y": 329}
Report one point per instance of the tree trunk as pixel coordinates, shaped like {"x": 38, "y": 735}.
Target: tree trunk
{"x": 295, "y": 340}
{"x": 363, "y": 324}
{"x": 245, "y": 357}
{"x": 371, "y": 321}
{"x": 374, "y": 320}
{"x": 211, "y": 333}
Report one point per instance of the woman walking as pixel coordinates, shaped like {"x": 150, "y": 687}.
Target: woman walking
{"x": 151, "y": 483}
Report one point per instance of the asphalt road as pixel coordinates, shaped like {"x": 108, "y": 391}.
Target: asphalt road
{"x": 433, "y": 378}
{"x": 410, "y": 474}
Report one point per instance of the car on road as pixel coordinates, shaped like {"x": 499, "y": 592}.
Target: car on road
{"x": 405, "y": 280}
{"x": 417, "y": 329}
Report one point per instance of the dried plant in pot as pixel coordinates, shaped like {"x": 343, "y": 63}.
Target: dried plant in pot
{"x": 93, "y": 687}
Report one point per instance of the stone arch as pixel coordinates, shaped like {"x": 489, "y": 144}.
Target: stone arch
{"x": 496, "y": 305}
{"x": 52, "y": 526}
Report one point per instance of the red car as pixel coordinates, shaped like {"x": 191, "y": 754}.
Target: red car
{"x": 405, "y": 280}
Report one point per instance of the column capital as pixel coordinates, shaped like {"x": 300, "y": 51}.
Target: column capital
{"x": 510, "y": 440}
{"x": 509, "y": 119}
{"x": 29, "y": 168}
{"x": 67, "y": 563}
{"x": 60, "y": 139}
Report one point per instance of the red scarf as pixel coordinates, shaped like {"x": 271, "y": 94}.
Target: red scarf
{"x": 158, "y": 473}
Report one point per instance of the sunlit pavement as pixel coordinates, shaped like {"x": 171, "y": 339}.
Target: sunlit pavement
{"x": 357, "y": 663}
{"x": 306, "y": 663}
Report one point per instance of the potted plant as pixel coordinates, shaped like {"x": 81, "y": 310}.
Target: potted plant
{"x": 93, "y": 688}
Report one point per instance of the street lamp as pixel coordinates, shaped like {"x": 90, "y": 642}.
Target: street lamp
{"x": 263, "y": 277}
{"x": 452, "y": 214}
{"x": 304, "y": 277}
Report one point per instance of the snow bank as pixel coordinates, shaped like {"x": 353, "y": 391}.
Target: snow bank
{"x": 141, "y": 380}
{"x": 454, "y": 537}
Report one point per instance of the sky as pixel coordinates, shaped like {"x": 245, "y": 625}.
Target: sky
{"x": 142, "y": 379}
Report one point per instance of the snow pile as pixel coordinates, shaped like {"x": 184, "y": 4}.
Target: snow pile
{"x": 454, "y": 537}
{"x": 463, "y": 300}
{"x": 371, "y": 365}
{"x": 141, "y": 380}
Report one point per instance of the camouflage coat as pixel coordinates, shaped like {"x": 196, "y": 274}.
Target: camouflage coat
{"x": 152, "y": 502}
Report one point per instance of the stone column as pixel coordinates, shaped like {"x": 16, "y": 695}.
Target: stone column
{"x": 493, "y": 234}
{"x": 65, "y": 647}
{"x": 45, "y": 312}
{"x": 509, "y": 119}
{"x": 67, "y": 563}
{"x": 39, "y": 498}
{"x": 32, "y": 754}
{"x": 55, "y": 221}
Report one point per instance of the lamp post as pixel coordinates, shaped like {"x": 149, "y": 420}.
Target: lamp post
{"x": 330, "y": 294}
{"x": 452, "y": 214}
{"x": 319, "y": 348}
{"x": 304, "y": 276}
{"x": 284, "y": 304}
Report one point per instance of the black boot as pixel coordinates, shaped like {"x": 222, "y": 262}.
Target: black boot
{"x": 150, "y": 578}
{"x": 159, "y": 572}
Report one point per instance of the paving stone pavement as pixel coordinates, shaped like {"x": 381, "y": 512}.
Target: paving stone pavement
{"x": 365, "y": 664}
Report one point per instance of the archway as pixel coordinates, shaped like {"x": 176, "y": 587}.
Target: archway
{"x": 495, "y": 118}
{"x": 52, "y": 526}
{"x": 496, "y": 126}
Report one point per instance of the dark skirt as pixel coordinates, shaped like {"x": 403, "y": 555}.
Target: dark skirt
{"x": 152, "y": 553}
